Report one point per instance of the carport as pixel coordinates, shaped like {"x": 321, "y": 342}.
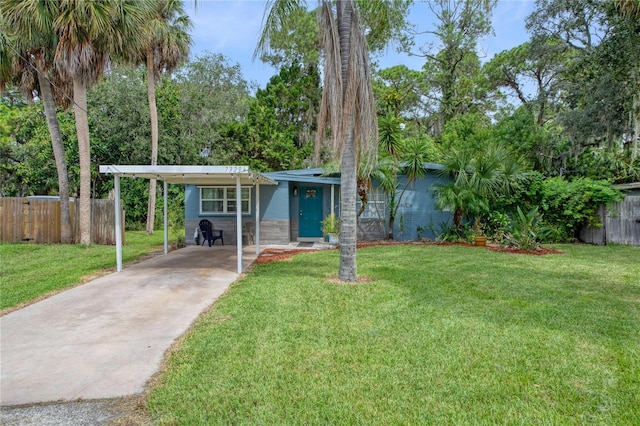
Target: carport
{"x": 196, "y": 175}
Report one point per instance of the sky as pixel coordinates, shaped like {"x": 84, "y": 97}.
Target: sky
{"x": 232, "y": 28}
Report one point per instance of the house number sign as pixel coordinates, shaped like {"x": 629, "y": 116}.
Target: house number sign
{"x": 236, "y": 169}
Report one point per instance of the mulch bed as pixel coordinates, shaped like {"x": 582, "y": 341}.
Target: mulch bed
{"x": 272, "y": 255}
{"x": 540, "y": 251}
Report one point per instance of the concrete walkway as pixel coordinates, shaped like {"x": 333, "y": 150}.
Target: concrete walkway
{"x": 106, "y": 338}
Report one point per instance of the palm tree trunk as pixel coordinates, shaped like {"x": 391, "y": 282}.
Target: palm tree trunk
{"x": 66, "y": 235}
{"x": 635, "y": 112}
{"x": 153, "y": 113}
{"x": 348, "y": 270}
{"x": 84, "y": 154}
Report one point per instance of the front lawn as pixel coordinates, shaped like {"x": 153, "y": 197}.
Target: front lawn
{"x": 31, "y": 271}
{"x": 438, "y": 335}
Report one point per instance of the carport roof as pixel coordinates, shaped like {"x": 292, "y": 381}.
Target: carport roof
{"x": 196, "y": 175}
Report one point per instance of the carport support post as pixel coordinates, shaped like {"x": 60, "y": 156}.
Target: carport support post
{"x": 257, "y": 236}
{"x": 166, "y": 219}
{"x": 239, "y": 222}
{"x": 116, "y": 186}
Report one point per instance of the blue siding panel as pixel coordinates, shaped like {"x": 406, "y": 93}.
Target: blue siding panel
{"x": 191, "y": 202}
{"x": 417, "y": 209}
{"x": 274, "y": 201}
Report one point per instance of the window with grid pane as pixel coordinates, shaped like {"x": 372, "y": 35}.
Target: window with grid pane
{"x": 376, "y": 206}
{"x": 222, "y": 199}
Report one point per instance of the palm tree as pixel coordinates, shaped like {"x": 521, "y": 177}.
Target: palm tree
{"x": 347, "y": 108}
{"x": 629, "y": 8}
{"x": 477, "y": 178}
{"x": 88, "y": 33}
{"x": 32, "y": 49}
{"x": 165, "y": 47}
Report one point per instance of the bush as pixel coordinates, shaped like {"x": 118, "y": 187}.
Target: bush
{"x": 574, "y": 204}
{"x": 525, "y": 231}
{"x": 449, "y": 232}
{"x": 567, "y": 206}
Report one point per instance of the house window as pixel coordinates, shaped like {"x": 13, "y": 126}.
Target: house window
{"x": 376, "y": 206}
{"x": 222, "y": 200}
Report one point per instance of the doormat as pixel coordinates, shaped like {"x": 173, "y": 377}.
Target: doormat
{"x": 305, "y": 244}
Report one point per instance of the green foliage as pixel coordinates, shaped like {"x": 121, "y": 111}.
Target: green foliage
{"x": 614, "y": 165}
{"x": 331, "y": 225}
{"x": 525, "y": 231}
{"x": 478, "y": 178}
{"x": 566, "y": 205}
{"x": 397, "y": 91}
{"x": 573, "y": 204}
{"x": 297, "y": 41}
{"x": 469, "y": 132}
{"x": 211, "y": 92}
{"x": 494, "y": 224}
{"x": 28, "y": 165}
{"x": 450, "y": 233}
{"x": 279, "y": 131}
{"x": 399, "y": 155}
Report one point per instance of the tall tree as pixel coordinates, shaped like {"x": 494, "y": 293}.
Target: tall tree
{"x": 601, "y": 101}
{"x": 165, "y": 47}
{"x": 88, "y": 33}
{"x": 212, "y": 92}
{"x": 452, "y": 64}
{"x": 32, "y": 50}
{"x": 296, "y": 42}
{"x": 541, "y": 64}
{"x": 347, "y": 105}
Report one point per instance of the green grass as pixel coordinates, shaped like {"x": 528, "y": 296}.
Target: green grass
{"x": 440, "y": 335}
{"x": 30, "y": 271}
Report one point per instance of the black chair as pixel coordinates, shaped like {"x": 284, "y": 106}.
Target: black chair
{"x": 209, "y": 234}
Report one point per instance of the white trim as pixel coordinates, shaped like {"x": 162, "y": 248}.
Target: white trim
{"x": 196, "y": 175}
{"x": 116, "y": 186}
{"x": 257, "y": 228}
{"x": 239, "y": 221}
{"x": 166, "y": 218}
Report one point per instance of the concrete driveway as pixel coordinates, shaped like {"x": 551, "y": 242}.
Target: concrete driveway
{"x": 106, "y": 338}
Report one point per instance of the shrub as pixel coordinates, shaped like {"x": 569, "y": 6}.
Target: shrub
{"x": 525, "y": 231}
{"x": 573, "y": 204}
{"x": 567, "y": 205}
{"x": 449, "y": 232}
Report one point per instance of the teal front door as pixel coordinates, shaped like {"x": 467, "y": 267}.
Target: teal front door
{"x": 310, "y": 212}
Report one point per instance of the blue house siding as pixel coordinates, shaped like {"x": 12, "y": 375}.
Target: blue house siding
{"x": 417, "y": 209}
{"x": 274, "y": 215}
{"x": 280, "y": 209}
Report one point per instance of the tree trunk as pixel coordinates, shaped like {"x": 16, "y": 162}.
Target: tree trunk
{"x": 153, "y": 113}
{"x": 635, "y": 111}
{"x": 84, "y": 154}
{"x": 457, "y": 217}
{"x": 348, "y": 178}
{"x": 66, "y": 236}
{"x": 348, "y": 193}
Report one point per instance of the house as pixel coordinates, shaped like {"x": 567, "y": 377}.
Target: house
{"x": 293, "y": 209}
{"x": 290, "y": 205}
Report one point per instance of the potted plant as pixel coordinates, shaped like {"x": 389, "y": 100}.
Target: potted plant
{"x": 331, "y": 228}
{"x": 477, "y": 207}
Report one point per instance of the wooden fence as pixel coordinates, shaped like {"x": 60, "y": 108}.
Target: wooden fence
{"x": 37, "y": 220}
{"x": 620, "y": 224}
